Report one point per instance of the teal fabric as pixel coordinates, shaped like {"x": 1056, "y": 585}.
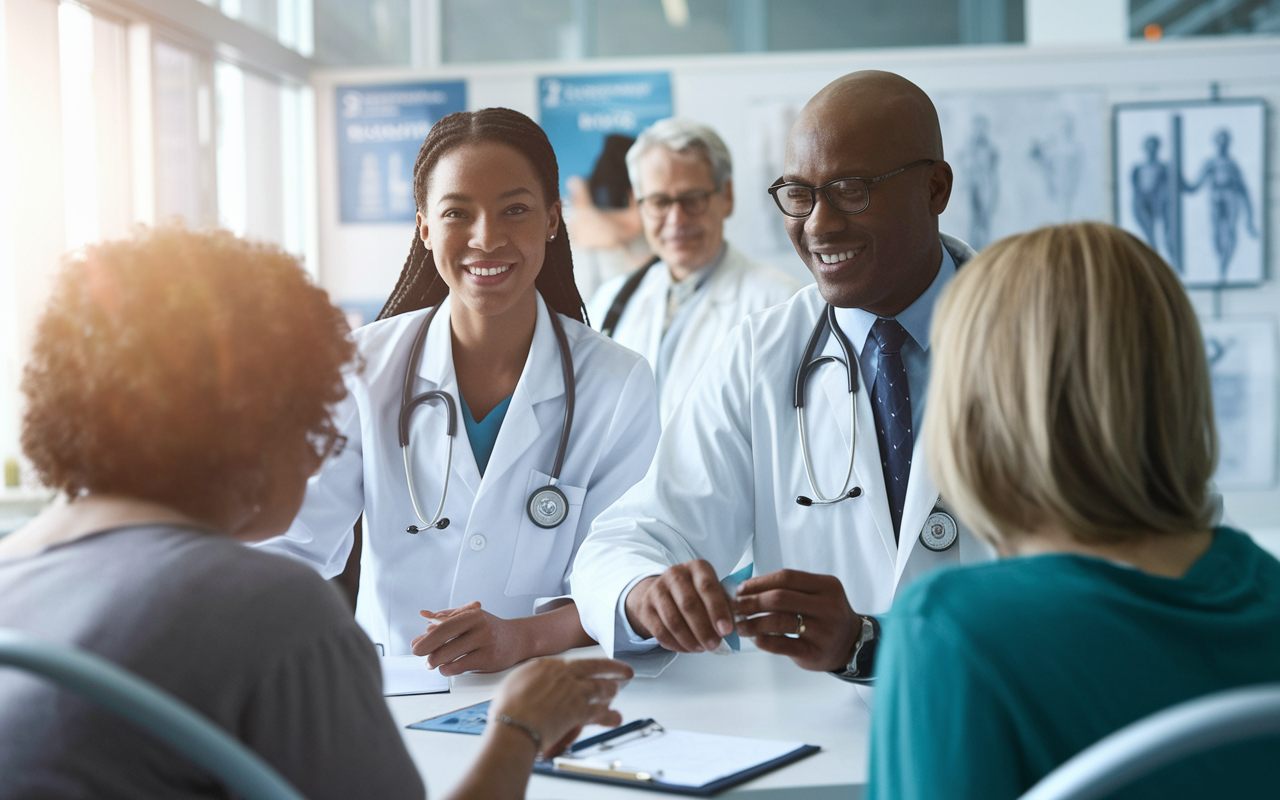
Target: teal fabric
{"x": 992, "y": 675}
{"x": 483, "y": 434}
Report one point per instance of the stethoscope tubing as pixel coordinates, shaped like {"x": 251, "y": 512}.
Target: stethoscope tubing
{"x": 409, "y": 402}
{"x": 941, "y": 532}
{"x": 570, "y": 394}
{"x": 807, "y": 364}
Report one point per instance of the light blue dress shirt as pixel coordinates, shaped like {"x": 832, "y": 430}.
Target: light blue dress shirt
{"x": 685, "y": 296}
{"x": 916, "y": 318}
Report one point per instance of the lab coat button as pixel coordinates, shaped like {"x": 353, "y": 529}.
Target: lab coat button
{"x": 477, "y": 542}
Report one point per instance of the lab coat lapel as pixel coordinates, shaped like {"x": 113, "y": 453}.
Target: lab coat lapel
{"x": 866, "y": 462}
{"x": 658, "y": 282}
{"x": 922, "y": 495}
{"x": 436, "y": 368}
{"x": 541, "y": 379}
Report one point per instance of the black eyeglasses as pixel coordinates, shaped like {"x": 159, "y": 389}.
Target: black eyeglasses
{"x": 326, "y": 443}
{"x": 846, "y": 195}
{"x": 693, "y": 202}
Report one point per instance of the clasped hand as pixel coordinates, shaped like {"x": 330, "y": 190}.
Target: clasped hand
{"x": 688, "y": 611}
{"x": 468, "y": 639}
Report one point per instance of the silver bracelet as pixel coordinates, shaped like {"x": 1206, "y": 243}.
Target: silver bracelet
{"x": 524, "y": 726}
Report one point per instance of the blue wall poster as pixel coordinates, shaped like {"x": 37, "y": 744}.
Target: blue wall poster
{"x": 380, "y": 129}
{"x": 579, "y": 111}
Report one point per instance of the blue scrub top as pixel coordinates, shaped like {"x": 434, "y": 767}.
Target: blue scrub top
{"x": 483, "y": 434}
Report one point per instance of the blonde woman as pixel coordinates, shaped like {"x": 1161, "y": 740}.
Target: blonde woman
{"x": 1070, "y": 423}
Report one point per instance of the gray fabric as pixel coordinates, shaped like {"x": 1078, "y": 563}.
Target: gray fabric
{"x": 258, "y": 643}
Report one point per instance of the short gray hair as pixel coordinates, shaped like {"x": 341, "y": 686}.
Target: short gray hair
{"x": 681, "y": 135}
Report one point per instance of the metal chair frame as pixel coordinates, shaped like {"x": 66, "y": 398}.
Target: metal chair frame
{"x": 1138, "y": 749}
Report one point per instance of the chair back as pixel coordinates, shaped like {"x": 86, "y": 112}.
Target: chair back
{"x": 150, "y": 708}
{"x": 1192, "y": 727}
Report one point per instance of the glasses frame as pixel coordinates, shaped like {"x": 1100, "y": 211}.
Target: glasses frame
{"x": 813, "y": 190}
{"x": 702, "y": 197}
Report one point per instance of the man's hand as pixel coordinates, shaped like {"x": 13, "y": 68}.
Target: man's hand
{"x": 685, "y": 608}
{"x": 776, "y": 603}
{"x": 468, "y": 639}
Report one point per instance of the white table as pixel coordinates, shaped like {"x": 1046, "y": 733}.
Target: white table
{"x": 751, "y": 693}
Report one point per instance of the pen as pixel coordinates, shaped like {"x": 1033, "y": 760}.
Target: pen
{"x": 600, "y": 768}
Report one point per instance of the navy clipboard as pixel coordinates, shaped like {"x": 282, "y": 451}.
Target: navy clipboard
{"x": 656, "y": 784}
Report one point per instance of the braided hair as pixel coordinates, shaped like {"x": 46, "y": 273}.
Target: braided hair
{"x": 420, "y": 284}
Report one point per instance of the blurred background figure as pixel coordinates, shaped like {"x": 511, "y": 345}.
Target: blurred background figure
{"x": 677, "y": 308}
{"x": 1228, "y": 200}
{"x": 1153, "y": 201}
{"x": 604, "y": 221}
{"x": 981, "y": 160}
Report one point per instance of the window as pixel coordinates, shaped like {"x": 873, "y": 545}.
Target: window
{"x": 1156, "y": 19}
{"x": 515, "y": 30}
{"x": 93, "y": 72}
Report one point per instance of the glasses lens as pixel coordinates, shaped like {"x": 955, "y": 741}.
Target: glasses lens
{"x": 795, "y": 200}
{"x": 656, "y": 205}
{"x": 694, "y": 203}
{"x": 849, "y": 196}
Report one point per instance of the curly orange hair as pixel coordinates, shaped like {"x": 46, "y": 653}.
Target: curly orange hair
{"x": 170, "y": 365}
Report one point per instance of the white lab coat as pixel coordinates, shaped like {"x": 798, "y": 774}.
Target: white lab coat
{"x": 728, "y": 470}
{"x": 738, "y": 287}
{"x": 490, "y": 551}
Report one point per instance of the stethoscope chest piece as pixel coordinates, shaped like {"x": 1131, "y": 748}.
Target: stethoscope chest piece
{"x": 548, "y": 507}
{"x": 940, "y": 531}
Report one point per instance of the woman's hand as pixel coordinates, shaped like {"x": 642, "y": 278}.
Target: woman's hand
{"x": 469, "y": 639}
{"x": 556, "y": 698}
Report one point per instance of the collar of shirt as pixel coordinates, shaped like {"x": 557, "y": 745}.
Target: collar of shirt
{"x": 916, "y": 318}
{"x": 679, "y": 293}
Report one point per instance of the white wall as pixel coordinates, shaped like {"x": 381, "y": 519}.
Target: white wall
{"x": 361, "y": 262}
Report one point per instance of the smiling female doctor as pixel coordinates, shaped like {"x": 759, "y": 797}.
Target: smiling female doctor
{"x": 550, "y": 421}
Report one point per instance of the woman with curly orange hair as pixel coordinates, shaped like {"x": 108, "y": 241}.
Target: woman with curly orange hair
{"x": 178, "y": 394}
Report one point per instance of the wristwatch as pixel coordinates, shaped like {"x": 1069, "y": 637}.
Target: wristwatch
{"x": 861, "y": 664}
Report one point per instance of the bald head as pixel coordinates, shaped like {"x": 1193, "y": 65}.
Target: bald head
{"x": 895, "y": 106}
{"x": 871, "y": 125}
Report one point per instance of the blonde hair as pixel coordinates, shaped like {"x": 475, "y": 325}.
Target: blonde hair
{"x": 1070, "y": 388}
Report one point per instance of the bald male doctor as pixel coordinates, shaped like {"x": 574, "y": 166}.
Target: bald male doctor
{"x": 677, "y": 309}
{"x": 864, "y": 184}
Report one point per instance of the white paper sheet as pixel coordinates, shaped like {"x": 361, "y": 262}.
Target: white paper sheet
{"x": 409, "y": 675}
{"x": 687, "y": 758}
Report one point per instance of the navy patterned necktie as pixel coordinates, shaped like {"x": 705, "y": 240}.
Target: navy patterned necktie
{"x": 891, "y": 405}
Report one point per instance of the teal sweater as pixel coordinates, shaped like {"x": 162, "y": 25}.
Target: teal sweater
{"x": 992, "y": 675}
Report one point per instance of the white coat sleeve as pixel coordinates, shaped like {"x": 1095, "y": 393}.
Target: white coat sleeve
{"x": 630, "y": 441}
{"x": 696, "y": 501}
{"x": 321, "y": 533}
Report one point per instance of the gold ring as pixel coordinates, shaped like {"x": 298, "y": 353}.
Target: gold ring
{"x": 800, "y": 630}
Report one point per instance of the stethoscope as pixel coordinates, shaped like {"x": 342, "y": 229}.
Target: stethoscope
{"x": 940, "y": 531}
{"x": 547, "y": 507}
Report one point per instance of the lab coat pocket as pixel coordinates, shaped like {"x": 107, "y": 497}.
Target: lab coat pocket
{"x": 542, "y": 554}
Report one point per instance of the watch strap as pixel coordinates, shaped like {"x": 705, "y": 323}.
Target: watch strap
{"x": 861, "y": 666}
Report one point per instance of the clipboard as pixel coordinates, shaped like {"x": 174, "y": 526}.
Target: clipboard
{"x": 625, "y": 772}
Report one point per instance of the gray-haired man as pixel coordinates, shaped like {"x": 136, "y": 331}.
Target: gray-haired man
{"x": 676, "y": 310}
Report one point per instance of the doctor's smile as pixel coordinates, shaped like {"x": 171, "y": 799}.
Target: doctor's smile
{"x": 488, "y": 269}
